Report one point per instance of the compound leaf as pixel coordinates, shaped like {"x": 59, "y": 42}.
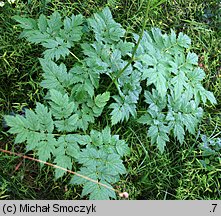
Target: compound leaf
{"x": 179, "y": 131}
{"x": 101, "y": 99}
{"x": 64, "y": 162}
{"x": 25, "y": 23}
{"x": 183, "y": 40}
{"x": 46, "y": 148}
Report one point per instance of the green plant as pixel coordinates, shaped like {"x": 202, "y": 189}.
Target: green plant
{"x": 3, "y": 189}
{"x": 62, "y": 129}
{"x": 175, "y": 90}
{"x": 211, "y": 152}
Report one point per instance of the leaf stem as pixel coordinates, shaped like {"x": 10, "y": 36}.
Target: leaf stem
{"x": 135, "y": 48}
{"x": 58, "y": 167}
{"x": 74, "y": 55}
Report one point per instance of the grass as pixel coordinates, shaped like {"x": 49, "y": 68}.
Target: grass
{"x": 176, "y": 174}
